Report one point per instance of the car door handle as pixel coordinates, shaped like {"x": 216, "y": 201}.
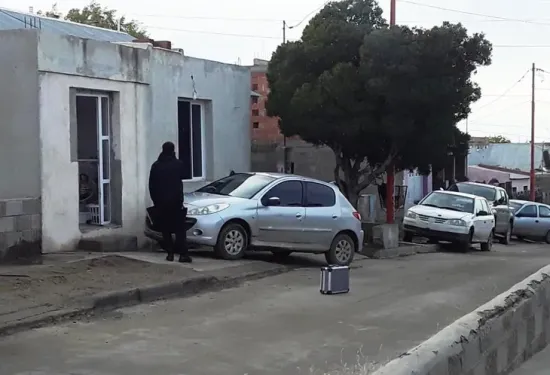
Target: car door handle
{"x": 298, "y": 215}
{"x": 335, "y": 216}
{"x": 536, "y": 221}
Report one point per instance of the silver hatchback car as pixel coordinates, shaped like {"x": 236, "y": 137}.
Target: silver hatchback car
{"x": 269, "y": 211}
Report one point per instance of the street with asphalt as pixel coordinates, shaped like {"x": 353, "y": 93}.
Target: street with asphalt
{"x": 279, "y": 324}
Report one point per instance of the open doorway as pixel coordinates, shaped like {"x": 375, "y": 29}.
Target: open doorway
{"x": 94, "y": 158}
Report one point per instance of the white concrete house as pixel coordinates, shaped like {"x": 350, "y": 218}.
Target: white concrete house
{"x": 83, "y": 120}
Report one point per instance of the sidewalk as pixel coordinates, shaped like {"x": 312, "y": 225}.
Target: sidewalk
{"x": 67, "y": 285}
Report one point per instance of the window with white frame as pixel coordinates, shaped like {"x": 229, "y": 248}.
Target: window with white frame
{"x": 191, "y": 138}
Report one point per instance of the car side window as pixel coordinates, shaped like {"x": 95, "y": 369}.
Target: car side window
{"x": 528, "y": 211}
{"x": 504, "y": 197}
{"x": 289, "y": 192}
{"x": 318, "y": 195}
{"x": 544, "y": 211}
{"x": 485, "y": 206}
{"x": 477, "y": 206}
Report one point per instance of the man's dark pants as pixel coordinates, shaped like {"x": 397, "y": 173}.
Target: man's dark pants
{"x": 173, "y": 221}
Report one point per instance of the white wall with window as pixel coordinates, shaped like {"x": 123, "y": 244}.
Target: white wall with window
{"x": 203, "y": 107}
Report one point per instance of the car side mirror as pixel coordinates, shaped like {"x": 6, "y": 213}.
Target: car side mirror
{"x": 416, "y": 201}
{"x": 482, "y": 213}
{"x": 273, "y": 201}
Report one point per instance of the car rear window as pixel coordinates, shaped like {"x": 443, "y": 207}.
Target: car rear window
{"x": 515, "y": 206}
{"x": 486, "y": 192}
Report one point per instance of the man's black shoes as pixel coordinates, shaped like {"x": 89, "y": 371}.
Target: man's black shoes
{"x": 185, "y": 259}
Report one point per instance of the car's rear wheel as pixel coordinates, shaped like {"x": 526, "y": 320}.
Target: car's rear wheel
{"x": 341, "y": 251}
{"x": 547, "y": 237}
{"x": 408, "y": 236}
{"x": 507, "y": 236}
{"x": 232, "y": 242}
{"x": 487, "y": 246}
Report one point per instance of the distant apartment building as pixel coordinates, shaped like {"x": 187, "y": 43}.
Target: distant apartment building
{"x": 264, "y": 129}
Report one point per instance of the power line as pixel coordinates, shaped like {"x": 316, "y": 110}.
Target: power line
{"x": 475, "y": 14}
{"x": 309, "y": 14}
{"x": 506, "y": 91}
{"x": 208, "y": 18}
{"x": 214, "y": 33}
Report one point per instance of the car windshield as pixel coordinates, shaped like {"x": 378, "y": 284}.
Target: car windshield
{"x": 449, "y": 202}
{"x": 241, "y": 185}
{"x": 486, "y": 192}
{"x": 515, "y": 206}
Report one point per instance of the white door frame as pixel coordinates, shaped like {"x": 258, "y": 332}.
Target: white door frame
{"x": 102, "y": 181}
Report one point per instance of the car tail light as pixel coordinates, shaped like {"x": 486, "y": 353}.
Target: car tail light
{"x": 357, "y": 215}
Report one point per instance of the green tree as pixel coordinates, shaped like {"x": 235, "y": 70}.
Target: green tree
{"x": 94, "y": 14}
{"x": 375, "y": 95}
{"x": 498, "y": 139}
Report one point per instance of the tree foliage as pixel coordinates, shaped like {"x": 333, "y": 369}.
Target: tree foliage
{"x": 376, "y": 95}
{"x": 94, "y": 14}
{"x": 498, "y": 139}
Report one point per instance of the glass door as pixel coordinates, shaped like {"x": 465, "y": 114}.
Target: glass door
{"x": 104, "y": 165}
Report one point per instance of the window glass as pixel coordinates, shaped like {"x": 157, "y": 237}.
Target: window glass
{"x": 449, "y": 201}
{"x": 529, "y": 211}
{"x": 485, "y": 206}
{"x": 544, "y": 211}
{"x": 478, "y": 207}
{"x": 486, "y": 192}
{"x": 290, "y": 193}
{"x": 515, "y": 206}
{"x": 242, "y": 185}
{"x": 319, "y": 195}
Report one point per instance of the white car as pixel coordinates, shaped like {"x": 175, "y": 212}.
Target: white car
{"x": 460, "y": 218}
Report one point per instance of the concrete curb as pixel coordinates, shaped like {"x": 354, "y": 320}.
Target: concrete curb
{"x": 492, "y": 340}
{"x": 108, "y": 301}
{"x": 404, "y": 251}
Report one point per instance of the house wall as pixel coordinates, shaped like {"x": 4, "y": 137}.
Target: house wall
{"x": 20, "y": 188}
{"x": 145, "y": 84}
{"x": 225, "y": 92}
{"x": 19, "y": 129}
{"x": 65, "y": 64}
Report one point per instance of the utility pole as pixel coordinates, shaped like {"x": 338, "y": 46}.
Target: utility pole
{"x": 532, "y": 174}
{"x": 390, "y": 170}
{"x": 285, "y": 161}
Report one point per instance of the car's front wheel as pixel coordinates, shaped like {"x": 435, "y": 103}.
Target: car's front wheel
{"x": 341, "y": 251}
{"x": 487, "y": 246}
{"x": 464, "y": 247}
{"x": 232, "y": 242}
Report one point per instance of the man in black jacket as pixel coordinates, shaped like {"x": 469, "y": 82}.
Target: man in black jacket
{"x": 166, "y": 190}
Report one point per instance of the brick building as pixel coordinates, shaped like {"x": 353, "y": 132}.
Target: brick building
{"x": 264, "y": 129}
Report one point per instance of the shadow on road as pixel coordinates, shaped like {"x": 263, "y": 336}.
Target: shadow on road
{"x": 296, "y": 259}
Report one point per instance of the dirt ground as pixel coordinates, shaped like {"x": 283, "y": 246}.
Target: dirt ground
{"x": 61, "y": 284}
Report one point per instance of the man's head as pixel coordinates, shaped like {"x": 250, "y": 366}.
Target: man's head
{"x": 168, "y": 148}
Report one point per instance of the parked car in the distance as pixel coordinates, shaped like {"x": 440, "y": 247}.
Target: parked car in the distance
{"x": 532, "y": 220}
{"x": 500, "y": 204}
{"x": 460, "y": 218}
{"x": 270, "y": 211}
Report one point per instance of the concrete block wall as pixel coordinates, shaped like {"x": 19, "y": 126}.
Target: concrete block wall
{"x": 493, "y": 340}
{"x": 20, "y": 228}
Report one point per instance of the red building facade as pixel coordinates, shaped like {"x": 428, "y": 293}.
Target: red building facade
{"x": 264, "y": 129}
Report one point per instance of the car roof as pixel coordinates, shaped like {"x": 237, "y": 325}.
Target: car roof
{"x": 279, "y": 176}
{"x": 465, "y": 195}
{"x": 478, "y": 184}
{"x": 520, "y": 201}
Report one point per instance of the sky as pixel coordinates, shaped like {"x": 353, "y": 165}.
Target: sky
{"x": 238, "y": 31}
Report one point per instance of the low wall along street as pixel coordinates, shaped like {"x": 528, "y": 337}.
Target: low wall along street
{"x": 20, "y": 228}
{"x": 493, "y": 340}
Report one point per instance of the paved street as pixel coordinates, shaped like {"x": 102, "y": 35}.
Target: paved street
{"x": 280, "y": 324}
